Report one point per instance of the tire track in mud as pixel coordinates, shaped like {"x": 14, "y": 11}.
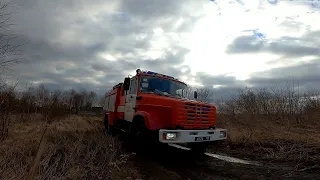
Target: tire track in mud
{"x": 171, "y": 163}
{"x": 182, "y": 163}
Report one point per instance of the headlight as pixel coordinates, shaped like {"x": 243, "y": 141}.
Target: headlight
{"x": 223, "y": 134}
{"x": 170, "y": 135}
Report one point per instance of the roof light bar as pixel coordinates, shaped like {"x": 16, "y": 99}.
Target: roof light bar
{"x": 155, "y": 74}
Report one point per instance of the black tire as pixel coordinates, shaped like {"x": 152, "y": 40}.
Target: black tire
{"x": 198, "y": 149}
{"x": 108, "y": 130}
{"x": 139, "y": 136}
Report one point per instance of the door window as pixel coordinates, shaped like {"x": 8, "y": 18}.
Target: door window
{"x": 133, "y": 86}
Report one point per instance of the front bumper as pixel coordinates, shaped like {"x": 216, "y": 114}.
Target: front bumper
{"x": 188, "y": 136}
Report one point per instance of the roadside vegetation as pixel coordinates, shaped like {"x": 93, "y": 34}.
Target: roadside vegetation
{"x": 273, "y": 124}
{"x": 43, "y": 134}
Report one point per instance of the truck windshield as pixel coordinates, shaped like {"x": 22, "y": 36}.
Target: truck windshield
{"x": 161, "y": 86}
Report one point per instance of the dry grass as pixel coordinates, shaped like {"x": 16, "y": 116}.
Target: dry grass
{"x": 74, "y": 148}
{"x": 266, "y": 139}
{"x": 276, "y": 125}
{"x": 265, "y": 131}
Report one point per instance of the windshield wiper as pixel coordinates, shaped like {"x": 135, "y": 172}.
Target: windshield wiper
{"x": 154, "y": 90}
{"x": 160, "y": 92}
{"x": 179, "y": 95}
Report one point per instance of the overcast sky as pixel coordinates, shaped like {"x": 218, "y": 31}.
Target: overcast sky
{"x": 223, "y": 44}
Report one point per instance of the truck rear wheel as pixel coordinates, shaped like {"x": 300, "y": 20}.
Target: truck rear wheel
{"x": 108, "y": 130}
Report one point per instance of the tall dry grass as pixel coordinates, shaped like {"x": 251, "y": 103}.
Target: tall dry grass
{"x": 276, "y": 123}
{"x": 39, "y": 100}
{"x": 40, "y": 139}
{"x": 74, "y": 148}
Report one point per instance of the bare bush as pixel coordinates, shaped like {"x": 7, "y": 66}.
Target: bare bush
{"x": 205, "y": 94}
{"x": 8, "y": 104}
{"x": 274, "y": 123}
{"x": 39, "y": 100}
{"x": 285, "y": 105}
{"x": 101, "y": 101}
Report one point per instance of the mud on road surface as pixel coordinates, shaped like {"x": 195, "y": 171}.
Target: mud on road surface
{"x": 171, "y": 163}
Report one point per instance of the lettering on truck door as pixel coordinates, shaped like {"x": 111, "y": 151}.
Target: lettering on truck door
{"x": 131, "y": 99}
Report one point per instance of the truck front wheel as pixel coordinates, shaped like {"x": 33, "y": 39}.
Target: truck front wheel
{"x": 139, "y": 135}
{"x": 198, "y": 148}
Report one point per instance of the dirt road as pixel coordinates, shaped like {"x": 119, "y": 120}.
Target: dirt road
{"x": 173, "y": 163}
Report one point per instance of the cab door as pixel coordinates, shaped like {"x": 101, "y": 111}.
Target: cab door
{"x": 131, "y": 99}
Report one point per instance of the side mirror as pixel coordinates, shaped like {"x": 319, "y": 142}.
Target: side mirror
{"x": 126, "y": 84}
{"x": 195, "y": 94}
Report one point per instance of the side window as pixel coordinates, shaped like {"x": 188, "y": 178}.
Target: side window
{"x": 133, "y": 86}
{"x": 112, "y": 102}
{"x": 106, "y": 103}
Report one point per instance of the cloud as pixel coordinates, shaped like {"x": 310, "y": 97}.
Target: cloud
{"x": 245, "y": 44}
{"x": 286, "y": 46}
{"x": 304, "y": 74}
{"x": 94, "y": 44}
{"x": 223, "y": 86}
{"x": 70, "y": 45}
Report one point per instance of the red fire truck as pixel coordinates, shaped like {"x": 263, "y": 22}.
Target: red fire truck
{"x": 152, "y": 107}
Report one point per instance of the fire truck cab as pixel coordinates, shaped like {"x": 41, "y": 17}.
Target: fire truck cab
{"x": 154, "y": 103}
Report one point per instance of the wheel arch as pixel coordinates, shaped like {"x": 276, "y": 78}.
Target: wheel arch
{"x": 137, "y": 120}
{"x": 105, "y": 120}
{"x": 145, "y": 117}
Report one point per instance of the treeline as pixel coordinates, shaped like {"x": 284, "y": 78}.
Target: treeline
{"x": 280, "y": 103}
{"x": 39, "y": 100}
{"x": 273, "y": 104}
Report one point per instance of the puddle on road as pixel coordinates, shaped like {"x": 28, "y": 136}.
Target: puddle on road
{"x": 221, "y": 157}
{"x": 179, "y": 147}
{"x": 231, "y": 159}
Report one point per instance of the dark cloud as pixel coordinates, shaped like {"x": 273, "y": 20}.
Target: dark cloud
{"x": 228, "y": 85}
{"x": 216, "y": 80}
{"x": 38, "y": 51}
{"x": 305, "y": 75}
{"x": 146, "y": 9}
{"x": 245, "y": 44}
{"x": 65, "y": 39}
{"x": 287, "y": 46}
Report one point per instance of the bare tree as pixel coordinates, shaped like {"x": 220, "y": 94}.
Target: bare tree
{"x": 205, "y": 94}
{"x": 28, "y": 103}
{"x": 101, "y": 101}
{"x": 10, "y": 51}
{"x": 188, "y": 92}
{"x": 91, "y": 100}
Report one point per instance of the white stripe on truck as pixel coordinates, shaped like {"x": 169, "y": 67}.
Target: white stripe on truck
{"x": 120, "y": 108}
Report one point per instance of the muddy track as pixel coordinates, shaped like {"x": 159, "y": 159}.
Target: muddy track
{"x": 173, "y": 163}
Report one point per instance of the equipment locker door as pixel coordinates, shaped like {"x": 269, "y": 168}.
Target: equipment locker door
{"x": 131, "y": 99}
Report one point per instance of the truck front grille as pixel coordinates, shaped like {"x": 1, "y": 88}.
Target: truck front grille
{"x": 197, "y": 114}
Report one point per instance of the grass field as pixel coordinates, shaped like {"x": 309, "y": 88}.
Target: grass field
{"x": 72, "y": 148}
{"x": 75, "y": 147}
{"x": 41, "y": 140}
